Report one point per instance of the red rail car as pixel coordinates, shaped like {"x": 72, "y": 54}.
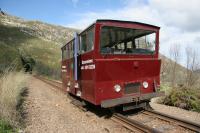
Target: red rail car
{"x": 113, "y": 63}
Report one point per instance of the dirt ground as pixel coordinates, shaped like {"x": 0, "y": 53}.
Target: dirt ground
{"x": 50, "y": 111}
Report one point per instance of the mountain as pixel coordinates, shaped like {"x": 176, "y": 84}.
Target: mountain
{"x": 34, "y": 39}
{"x": 42, "y": 42}
{"x": 198, "y": 72}
{"x": 167, "y": 66}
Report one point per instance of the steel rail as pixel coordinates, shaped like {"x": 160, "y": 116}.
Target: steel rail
{"x": 181, "y": 122}
{"x": 126, "y": 122}
{"x": 133, "y": 124}
{"x": 50, "y": 82}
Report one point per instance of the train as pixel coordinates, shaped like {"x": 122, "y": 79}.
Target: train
{"x": 113, "y": 63}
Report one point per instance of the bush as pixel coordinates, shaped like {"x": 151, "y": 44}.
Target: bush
{"x": 183, "y": 97}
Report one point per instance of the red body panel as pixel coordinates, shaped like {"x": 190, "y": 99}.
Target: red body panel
{"x": 112, "y": 71}
{"x": 87, "y": 79}
{"x": 97, "y": 84}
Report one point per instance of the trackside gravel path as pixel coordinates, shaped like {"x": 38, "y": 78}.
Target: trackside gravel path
{"x": 50, "y": 111}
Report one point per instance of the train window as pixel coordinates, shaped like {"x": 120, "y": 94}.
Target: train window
{"x": 90, "y": 37}
{"x": 87, "y": 41}
{"x": 118, "y": 40}
{"x": 70, "y": 50}
{"x": 64, "y": 53}
{"x": 67, "y": 48}
{"x": 79, "y": 45}
{"x": 83, "y": 43}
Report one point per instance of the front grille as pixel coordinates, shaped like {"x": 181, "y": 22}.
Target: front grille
{"x": 132, "y": 88}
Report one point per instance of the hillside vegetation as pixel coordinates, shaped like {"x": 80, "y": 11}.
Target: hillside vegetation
{"x": 181, "y": 85}
{"x": 37, "y": 43}
{"x": 11, "y": 99}
{"x": 32, "y": 39}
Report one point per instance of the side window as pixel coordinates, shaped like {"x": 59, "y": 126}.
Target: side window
{"x": 87, "y": 41}
{"x": 83, "y": 43}
{"x": 64, "y": 53}
{"x": 90, "y": 38}
{"x": 70, "y": 50}
{"x": 67, "y": 49}
{"x": 79, "y": 44}
{"x": 72, "y": 43}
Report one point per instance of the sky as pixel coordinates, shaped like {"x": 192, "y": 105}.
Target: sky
{"x": 179, "y": 21}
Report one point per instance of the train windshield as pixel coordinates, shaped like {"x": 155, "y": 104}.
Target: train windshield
{"x": 118, "y": 40}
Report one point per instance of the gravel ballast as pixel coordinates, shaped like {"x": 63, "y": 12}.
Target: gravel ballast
{"x": 49, "y": 110}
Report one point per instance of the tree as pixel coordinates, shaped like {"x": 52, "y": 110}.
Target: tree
{"x": 175, "y": 55}
{"x": 192, "y": 65}
{"x": 164, "y": 68}
{"x": 27, "y": 61}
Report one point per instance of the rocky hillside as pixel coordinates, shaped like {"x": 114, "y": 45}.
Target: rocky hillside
{"x": 44, "y": 31}
{"x": 167, "y": 70}
{"x": 33, "y": 39}
{"x": 41, "y": 42}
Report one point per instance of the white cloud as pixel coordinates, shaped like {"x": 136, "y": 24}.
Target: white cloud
{"x": 184, "y": 15}
{"x": 179, "y": 20}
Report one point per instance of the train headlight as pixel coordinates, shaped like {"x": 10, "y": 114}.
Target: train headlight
{"x": 117, "y": 88}
{"x": 145, "y": 84}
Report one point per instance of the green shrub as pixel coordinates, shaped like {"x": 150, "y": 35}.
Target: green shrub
{"x": 183, "y": 97}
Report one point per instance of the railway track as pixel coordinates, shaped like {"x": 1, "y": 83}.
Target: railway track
{"x": 180, "y": 122}
{"x": 53, "y": 83}
{"x": 134, "y": 125}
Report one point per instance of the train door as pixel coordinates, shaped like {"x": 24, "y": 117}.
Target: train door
{"x": 87, "y": 67}
{"x": 67, "y": 65}
{"x": 76, "y": 66}
{"x": 63, "y": 67}
{"x": 71, "y": 68}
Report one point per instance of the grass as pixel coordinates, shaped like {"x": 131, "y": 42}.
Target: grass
{"x": 5, "y": 127}
{"x": 42, "y": 42}
{"x": 12, "y": 85}
{"x": 39, "y": 40}
{"x": 47, "y": 54}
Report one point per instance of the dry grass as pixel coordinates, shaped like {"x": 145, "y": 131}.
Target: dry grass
{"x": 11, "y": 87}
